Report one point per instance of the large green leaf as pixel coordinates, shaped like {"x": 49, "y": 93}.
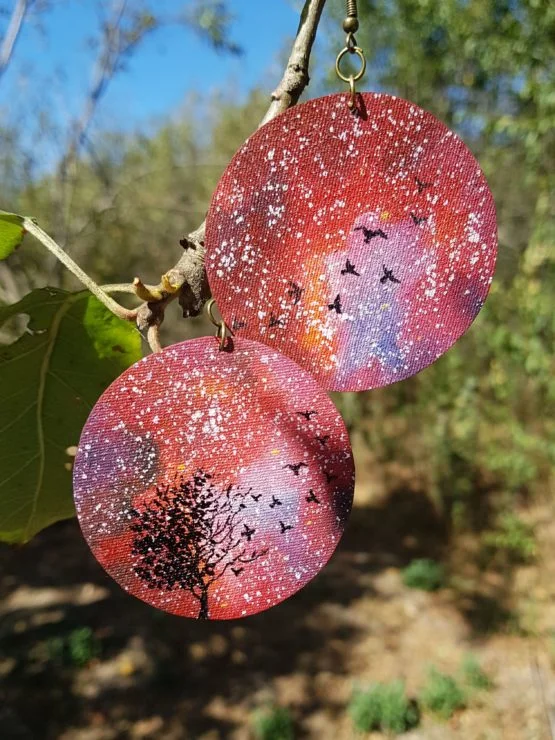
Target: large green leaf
{"x": 50, "y": 379}
{"x": 11, "y": 233}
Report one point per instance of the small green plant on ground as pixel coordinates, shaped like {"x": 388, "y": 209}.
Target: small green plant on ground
{"x": 442, "y": 694}
{"x": 274, "y": 723}
{"x": 383, "y": 707}
{"x": 365, "y": 709}
{"x": 473, "y": 674}
{"x": 77, "y": 648}
{"x": 513, "y": 538}
{"x": 424, "y": 574}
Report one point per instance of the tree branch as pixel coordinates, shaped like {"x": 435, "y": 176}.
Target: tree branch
{"x": 187, "y": 279}
{"x": 14, "y": 28}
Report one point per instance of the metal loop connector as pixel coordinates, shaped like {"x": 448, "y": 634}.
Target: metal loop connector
{"x": 353, "y": 78}
{"x": 352, "y": 87}
{"x": 351, "y": 42}
{"x": 360, "y": 54}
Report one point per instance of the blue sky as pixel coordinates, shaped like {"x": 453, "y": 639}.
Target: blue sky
{"x": 52, "y": 65}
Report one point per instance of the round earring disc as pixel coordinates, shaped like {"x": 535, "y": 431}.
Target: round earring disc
{"x": 360, "y": 245}
{"x": 213, "y": 484}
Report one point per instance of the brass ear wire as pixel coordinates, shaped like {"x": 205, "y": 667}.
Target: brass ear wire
{"x": 351, "y": 26}
{"x": 223, "y": 328}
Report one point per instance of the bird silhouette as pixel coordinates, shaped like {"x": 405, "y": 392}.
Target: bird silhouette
{"x": 256, "y": 497}
{"x": 238, "y": 324}
{"x": 370, "y": 234}
{"x": 323, "y": 440}
{"x": 307, "y": 414}
{"x": 275, "y": 502}
{"x": 418, "y": 219}
{"x": 276, "y": 321}
{"x": 350, "y": 269}
{"x": 311, "y": 498}
{"x": 237, "y": 571}
{"x": 388, "y": 275}
{"x": 336, "y": 305}
{"x": 295, "y": 292}
{"x": 248, "y": 532}
{"x": 296, "y": 468}
{"x": 285, "y": 527}
{"x": 329, "y": 476}
{"x": 422, "y": 185}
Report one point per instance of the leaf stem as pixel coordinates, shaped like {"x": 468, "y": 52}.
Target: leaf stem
{"x": 123, "y": 313}
{"x": 118, "y": 288}
{"x": 153, "y": 338}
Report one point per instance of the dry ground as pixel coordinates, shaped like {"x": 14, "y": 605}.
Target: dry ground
{"x": 159, "y": 676}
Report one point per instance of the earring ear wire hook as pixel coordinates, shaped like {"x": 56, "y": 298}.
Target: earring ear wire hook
{"x": 350, "y": 26}
{"x": 223, "y": 328}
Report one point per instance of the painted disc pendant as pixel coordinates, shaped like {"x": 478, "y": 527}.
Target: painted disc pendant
{"x": 361, "y": 246}
{"x": 214, "y": 484}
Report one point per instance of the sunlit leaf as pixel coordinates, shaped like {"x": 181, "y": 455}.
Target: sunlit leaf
{"x": 11, "y": 233}
{"x": 50, "y": 378}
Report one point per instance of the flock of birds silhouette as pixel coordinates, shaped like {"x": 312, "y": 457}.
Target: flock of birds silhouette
{"x": 248, "y": 532}
{"x": 295, "y": 291}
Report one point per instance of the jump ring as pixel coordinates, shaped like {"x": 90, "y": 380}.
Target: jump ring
{"x": 360, "y": 54}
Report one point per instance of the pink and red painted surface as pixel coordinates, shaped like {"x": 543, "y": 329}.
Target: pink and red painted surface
{"x": 214, "y": 484}
{"x": 361, "y": 246}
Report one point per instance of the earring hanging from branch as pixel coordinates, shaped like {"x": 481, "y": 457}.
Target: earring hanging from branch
{"x": 351, "y": 26}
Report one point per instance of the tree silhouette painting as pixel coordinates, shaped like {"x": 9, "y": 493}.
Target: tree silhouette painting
{"x": 190, "y": 534}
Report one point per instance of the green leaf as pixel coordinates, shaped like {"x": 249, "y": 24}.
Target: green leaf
{"x": 11, "y": 233}
{"x": 50, "y": 378}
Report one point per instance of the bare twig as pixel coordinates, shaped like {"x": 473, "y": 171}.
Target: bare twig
{"x": 153, "y": 338}
{"x": 188, "y": 276}
{"x": 118, "y": 42}
{"x": 14, "y": 28}
{"x": 538, "y": 680}
{"x": 118, "y": 288}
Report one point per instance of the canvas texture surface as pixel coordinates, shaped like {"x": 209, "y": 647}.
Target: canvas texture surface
{"x": 360, "y": 245}
{"x": 214, "y": 484}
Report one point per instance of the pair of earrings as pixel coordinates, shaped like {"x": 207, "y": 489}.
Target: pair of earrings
{"x": 349, "y": 244}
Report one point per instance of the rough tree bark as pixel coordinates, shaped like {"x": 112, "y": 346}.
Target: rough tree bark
{"x": 187, "y": 281}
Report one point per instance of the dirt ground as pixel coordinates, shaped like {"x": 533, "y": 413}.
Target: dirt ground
{"x": 159, "y": 676}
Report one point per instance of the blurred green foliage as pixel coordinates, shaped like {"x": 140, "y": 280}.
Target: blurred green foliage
{"x": 424, "y": 574}
{"x": 77, "y": 648}
{"x": 442, "y": 695}
{"x": 512, "y": 538}
{"x": 384, "y": 706}
{"x": 482, "y": 418}
{"x": 274, "y": 723}
{"x": 474, "y": 675}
